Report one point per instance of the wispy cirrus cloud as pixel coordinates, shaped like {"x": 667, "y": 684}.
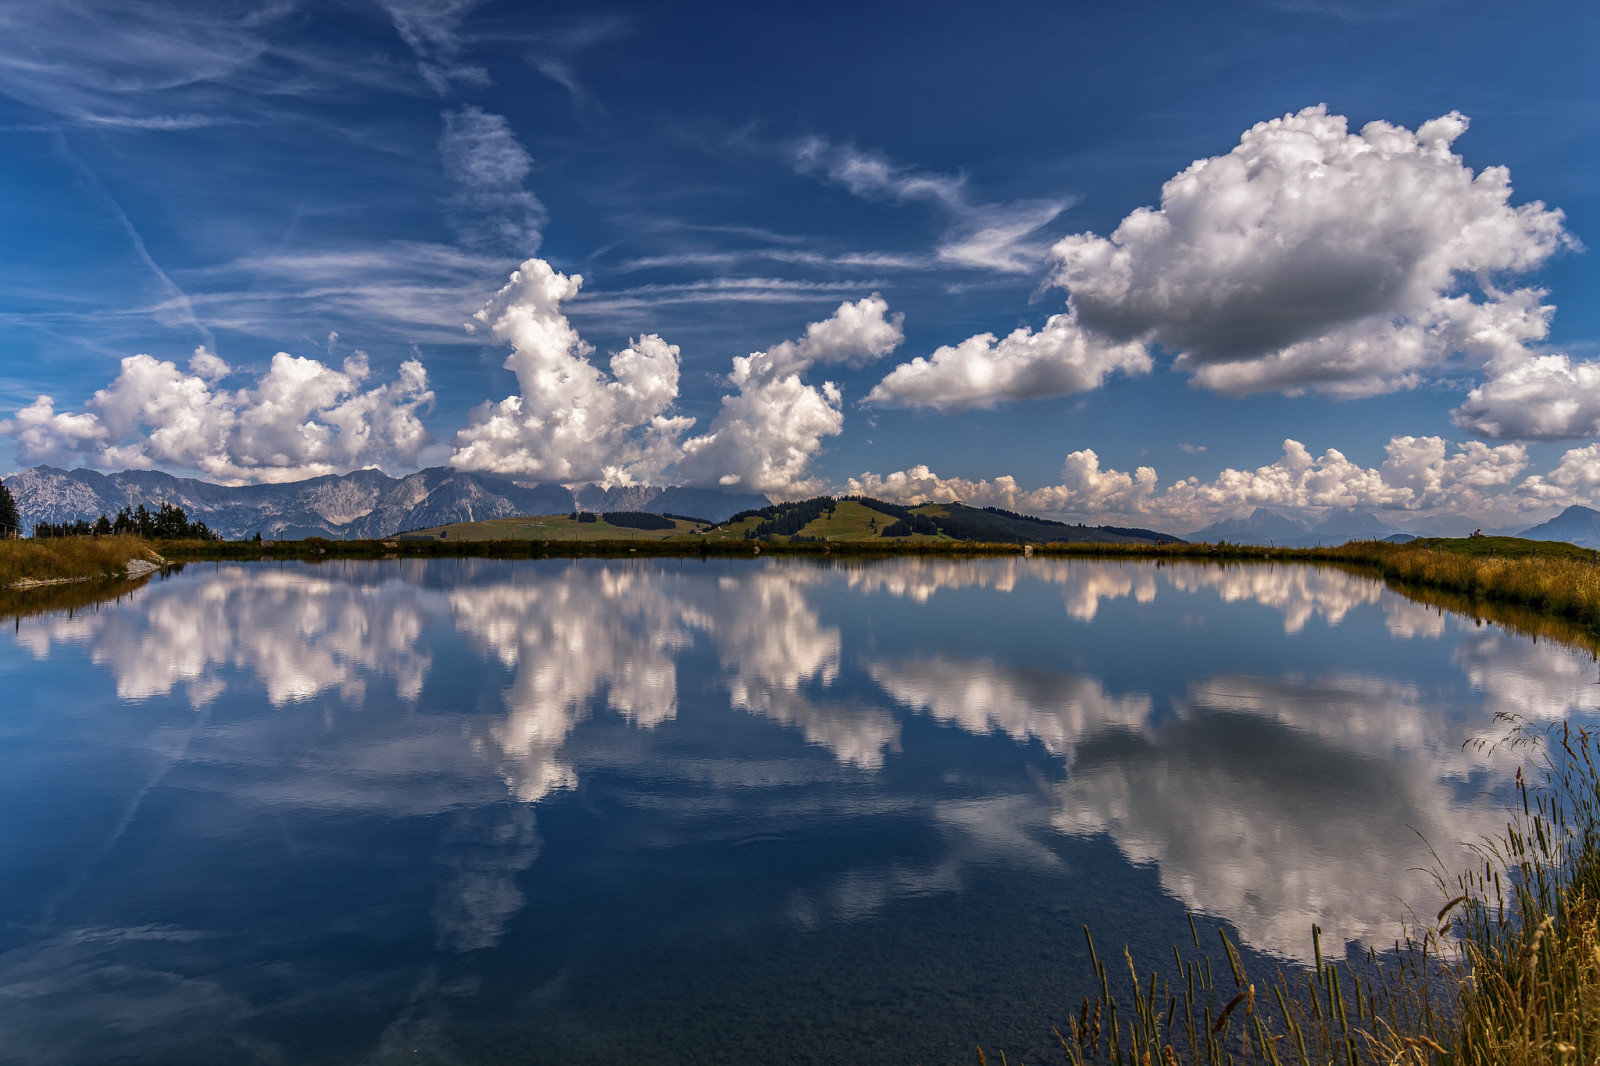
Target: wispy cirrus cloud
{"x": 980, "y": 235}
{"x": 789, "y": 256}
{"x": 748, "y": 290}
{"x": 169, "y": 67}
{"x": 432, "y": 29}
{"x": 492, "y": 206}
{"x": 554, "y": 53}
{"x": 404, "y": 290}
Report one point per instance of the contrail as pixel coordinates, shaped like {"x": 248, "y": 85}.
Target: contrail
{"x": 172, "y": 289}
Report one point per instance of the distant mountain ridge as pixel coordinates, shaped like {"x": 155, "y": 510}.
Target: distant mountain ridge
{"x": 362, "y": 503}
{"x": 1576, "y": 525}
{"x": 1292, "y": 529}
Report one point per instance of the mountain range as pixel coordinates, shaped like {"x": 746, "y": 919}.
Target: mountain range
{"x": 1298, "y": 529}
{"x": 369, "y": 503}
{"x": 362, "y": 503}
{"x": 1294, "y": 529}
{"x": 1576, "y": 525}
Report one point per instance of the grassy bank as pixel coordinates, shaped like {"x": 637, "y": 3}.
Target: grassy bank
{"x": 1550, "y": 579}
{"x": 1507, "y": 973}
{"x": 69, "y": 558}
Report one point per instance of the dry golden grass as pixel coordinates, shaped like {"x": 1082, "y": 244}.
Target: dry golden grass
{"x": 1506, "y": 974}
{"x": 1565, "y": 586}
{"x": 58, "y": 558}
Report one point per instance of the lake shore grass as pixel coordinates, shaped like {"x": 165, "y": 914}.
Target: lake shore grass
{"x": 63, "y": 559}
{"x": 1545, "y": 578}
{"x": 1507, "y": 973}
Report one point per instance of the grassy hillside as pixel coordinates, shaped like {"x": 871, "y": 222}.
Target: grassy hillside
{"x": 552, "y": 527}
{"x": 849, "y": 521}
{"x": 1005, "y": 527}
{"x": 1506, "y": 548}
{"x": 857, "y": 519}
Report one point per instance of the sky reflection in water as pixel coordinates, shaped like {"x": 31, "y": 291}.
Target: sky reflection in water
{"x": 464, "y": 810}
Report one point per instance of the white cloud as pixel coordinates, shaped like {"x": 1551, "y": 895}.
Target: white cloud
{"x": 571, "y": 421}
{"x": 400, "y": 292}
{"x": 982, "y": 696}
{"x": 1307, "y": 258}
{"x": 1372, "y": 756}
{"x": 44, "y": 435}
{"x": 981, "y": 371}
{"x": 432, "y": 29}
{"x": 97, "y": 63}
{"x": 300, "y": 419}
{"x": 766, "y": 434}
{"x": 1422, "y": 475}
{"x": 1311, "y": 257}
{"x": 492, "y": 207}
{"x": 1084, "y": 489}
{"x": 982, "y": 236}
{"x": 1544, "y": 397}
{"x": 1575, "y": 479}
{"x": 115, "y": 66}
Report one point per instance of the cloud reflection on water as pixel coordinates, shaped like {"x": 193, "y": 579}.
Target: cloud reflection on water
{"x": 1277, "y": 803}
{"x": 1255, "y": 793}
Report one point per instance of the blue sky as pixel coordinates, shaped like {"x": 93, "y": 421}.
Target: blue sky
{"x": 355, "y": 181}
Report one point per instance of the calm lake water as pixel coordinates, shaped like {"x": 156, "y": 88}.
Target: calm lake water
{"x": 470, "y": 811}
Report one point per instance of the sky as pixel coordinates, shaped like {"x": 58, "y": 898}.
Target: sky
{"x": 1147, "y": 262}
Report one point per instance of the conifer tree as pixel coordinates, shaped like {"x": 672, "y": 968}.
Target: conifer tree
{"x": 10, "y": 524}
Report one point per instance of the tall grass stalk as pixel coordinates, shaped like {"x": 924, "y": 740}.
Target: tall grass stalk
{"x": 69, "y": 558}
{"x": 1506, "y": 974}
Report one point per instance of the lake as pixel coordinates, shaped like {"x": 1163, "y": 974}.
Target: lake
{"x": 741, "y": 811}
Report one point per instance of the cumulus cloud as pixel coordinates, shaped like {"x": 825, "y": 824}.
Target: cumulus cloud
{"x": 1084, "y": 489}
{"x": 492, "y": 207}
{"x": 983, "y": 236}
{"x": 1312, "y": 257}
{"x": 571, "y": 421}
{"x": 1544, "y": 397}
{"x": 1307, "y": 258}
{"x": 766, "y": 435}
{"x": 1421, "y": 475}
{"x": 981, "y": 371}
{"x": 300, "y": 419}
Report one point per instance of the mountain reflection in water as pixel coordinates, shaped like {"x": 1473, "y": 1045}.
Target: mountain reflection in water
{"x": 253, "y": 769}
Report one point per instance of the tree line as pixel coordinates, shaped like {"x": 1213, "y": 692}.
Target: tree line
{"x": 784, "y": 519}
{"x": 168, "y": 522}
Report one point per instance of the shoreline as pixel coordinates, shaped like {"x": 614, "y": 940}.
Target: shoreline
{"x": 1562, "y": 583}
{"x": 1456, "y": 996}
{"x": 136, "y": 568}
{"x": 41, "y": 562}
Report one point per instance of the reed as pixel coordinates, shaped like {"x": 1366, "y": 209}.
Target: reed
{"x": 1506, "y": 974}
{"x": 68, "y": 558}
